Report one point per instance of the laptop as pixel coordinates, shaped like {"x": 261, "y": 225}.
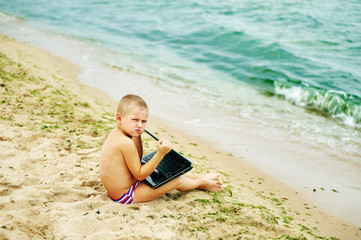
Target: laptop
{"x": 170, "y": 167}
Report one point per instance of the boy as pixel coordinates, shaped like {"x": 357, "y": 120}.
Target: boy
{"x": 121, "y": 171}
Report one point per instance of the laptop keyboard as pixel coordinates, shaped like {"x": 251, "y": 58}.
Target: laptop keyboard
{"x": 167, "y": 166}
{"x": 146, "y": 158}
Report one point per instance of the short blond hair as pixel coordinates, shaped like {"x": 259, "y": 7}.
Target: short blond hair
{"x": 130, "y": 101}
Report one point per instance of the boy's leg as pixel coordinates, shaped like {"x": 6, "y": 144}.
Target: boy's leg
{"x": 144, "y": 193}
{"x": 212, "y": 176}
{"x": 201, "y": 181}
{"x": 187, "y": 182}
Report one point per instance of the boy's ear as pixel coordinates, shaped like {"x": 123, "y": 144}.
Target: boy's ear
{"x": 118, "y": 118}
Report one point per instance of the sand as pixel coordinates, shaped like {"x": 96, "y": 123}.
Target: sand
{"x": 51, "y": 132}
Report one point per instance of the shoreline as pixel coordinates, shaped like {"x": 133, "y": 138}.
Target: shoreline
{"x": 282, "y": 153}
{"x": 252, "y": 202}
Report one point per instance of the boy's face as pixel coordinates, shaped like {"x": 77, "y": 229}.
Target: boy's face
{"x": 133, "y": 122}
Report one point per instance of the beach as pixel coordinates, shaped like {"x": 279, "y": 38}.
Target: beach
{"x": 52, "y": 129}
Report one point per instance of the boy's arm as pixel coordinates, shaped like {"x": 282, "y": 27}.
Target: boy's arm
{"x": 138, "y": 144}
{"x": 131, "y": 156}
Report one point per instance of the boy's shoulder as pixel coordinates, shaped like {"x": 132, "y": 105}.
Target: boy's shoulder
{"x": 116, "y": 137}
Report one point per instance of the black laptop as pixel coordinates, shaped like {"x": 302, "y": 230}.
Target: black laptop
{"x": 172, "y": 165}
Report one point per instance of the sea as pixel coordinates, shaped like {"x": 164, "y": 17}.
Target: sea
{"x": 277, "y": 82}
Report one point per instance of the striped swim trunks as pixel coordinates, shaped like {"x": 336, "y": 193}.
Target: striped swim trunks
{"x": 127, "y": 198}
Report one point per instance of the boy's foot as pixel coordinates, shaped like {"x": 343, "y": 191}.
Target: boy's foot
{"x": 212, "y": 176}
{"x": 211, "y": 184}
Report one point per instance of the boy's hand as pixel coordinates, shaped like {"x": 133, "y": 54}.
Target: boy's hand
{"x": 164, "y": 146}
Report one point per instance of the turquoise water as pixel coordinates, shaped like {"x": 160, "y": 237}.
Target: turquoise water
{"x": 277, "y": 82}
{"x": 306, "y": 52}
{"x": 261, "y": 60}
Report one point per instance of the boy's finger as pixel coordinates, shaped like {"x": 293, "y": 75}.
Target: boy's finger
{"x": 162, "y": 142}
{"x": 165, "y": 142}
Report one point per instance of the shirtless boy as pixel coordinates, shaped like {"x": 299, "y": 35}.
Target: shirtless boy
{"x": 121, "y": 171}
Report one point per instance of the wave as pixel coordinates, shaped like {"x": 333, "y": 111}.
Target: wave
{"x": 337, "y": 104}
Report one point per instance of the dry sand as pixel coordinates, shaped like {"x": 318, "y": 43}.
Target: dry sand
{"x": 51, "y": 132}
